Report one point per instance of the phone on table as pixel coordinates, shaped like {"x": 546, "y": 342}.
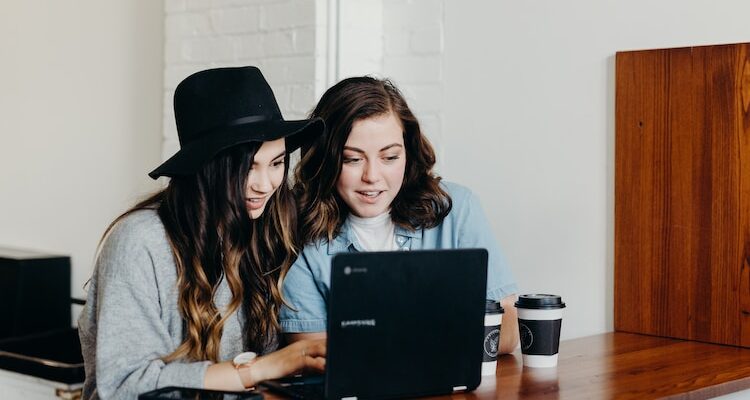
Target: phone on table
{"x": 180, "y": 393}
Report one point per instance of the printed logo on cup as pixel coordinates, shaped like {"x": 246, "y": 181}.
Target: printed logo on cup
{"x": 491, "y": 343}
{"x": 492, "y": 330}
{"x": 527, "y": 338}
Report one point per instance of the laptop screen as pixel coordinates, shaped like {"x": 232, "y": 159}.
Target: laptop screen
{"x": 405, "y": 323}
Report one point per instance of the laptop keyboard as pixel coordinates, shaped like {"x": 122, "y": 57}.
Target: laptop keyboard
{"x": 299, "y": 387}
{"x": 311, "y": 391}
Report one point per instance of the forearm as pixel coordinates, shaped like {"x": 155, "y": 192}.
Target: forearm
{"x": 223, "y": 376}
{"x": 509, "y": 330}
{"x": 294, "y": 358}
{"x": 295, "y": 337}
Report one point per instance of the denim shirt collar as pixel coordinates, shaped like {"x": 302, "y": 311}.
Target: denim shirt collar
{"x": 346, "y": 241}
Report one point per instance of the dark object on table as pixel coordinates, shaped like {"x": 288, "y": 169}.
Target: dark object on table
{"x": 178, "y": 393}
{"x": 34, "y": 292}
{"x": 403, "y": 324}
{"x": 298, "y": 387}
{"x": 54, "y": 356}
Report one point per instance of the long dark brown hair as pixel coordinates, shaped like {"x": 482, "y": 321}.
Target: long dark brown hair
{"x": 212, "y": 237}
{"x": 421, "y": 202}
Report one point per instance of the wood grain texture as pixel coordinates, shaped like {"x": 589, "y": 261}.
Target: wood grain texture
{"x": 743, "y": 120}
{"x": 682, "y": 193}
{"x": 620, "y": 366}
{"x": 626, "y": 366}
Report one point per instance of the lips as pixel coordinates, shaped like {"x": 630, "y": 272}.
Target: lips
{"x": 255, "y": 203}
{"x": 369, "y": 196}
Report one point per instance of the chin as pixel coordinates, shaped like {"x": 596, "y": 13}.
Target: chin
{"x": 368, "y": 213}
{"x": 255, "y": 214}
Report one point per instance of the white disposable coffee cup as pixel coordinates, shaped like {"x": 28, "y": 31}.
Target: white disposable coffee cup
{"x": 493, "y": 319}
{"x": 539, "y": 322}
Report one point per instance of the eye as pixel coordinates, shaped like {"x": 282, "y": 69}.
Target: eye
{"x": 278, "y": 163}
{"x": 392, "y": 158}
{"x": 352, "y": 160}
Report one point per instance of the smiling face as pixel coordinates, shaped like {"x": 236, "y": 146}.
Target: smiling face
{"x": 373, "y": 166}
{"x": 265, "y": 175}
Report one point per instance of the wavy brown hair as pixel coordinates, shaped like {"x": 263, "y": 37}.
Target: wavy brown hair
{"x": 212, "y": 237}
{"x": 421, "y": 202}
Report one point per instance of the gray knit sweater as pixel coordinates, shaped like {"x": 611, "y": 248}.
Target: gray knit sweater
{"x": 131, "y": 318}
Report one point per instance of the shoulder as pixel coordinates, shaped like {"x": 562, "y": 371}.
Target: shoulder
{"x": 139, "y": 228}
{"x": 314, "y": 252}
{"x": 466, "y": 207}
{"x": 136, "y": 242}
{"x": 459, "y": 194}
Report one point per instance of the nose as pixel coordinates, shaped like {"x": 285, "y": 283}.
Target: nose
{"x": 371, "y": 173}
{"x": 260, "y": 181}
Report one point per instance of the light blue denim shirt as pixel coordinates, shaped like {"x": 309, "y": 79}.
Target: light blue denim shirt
{"x": 307, "y": 284}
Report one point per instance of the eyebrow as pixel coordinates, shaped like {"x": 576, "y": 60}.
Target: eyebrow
{"x": 273, "y": 159}
{"x": 358, "y": 150}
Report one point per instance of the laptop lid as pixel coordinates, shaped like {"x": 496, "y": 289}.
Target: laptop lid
{"x": 407, "y": 323}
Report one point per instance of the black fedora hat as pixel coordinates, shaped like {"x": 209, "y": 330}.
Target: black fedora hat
{"x": 219, "y": 108}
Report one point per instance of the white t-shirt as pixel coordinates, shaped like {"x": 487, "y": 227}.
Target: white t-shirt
{"x": 375, "y": 233}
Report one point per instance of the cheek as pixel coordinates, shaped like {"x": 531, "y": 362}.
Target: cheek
{"x": 277, "y": 178}
{"x": 345, "y": 181}
{"x": 341, "y": 184}
{"x": 397, "y": 173}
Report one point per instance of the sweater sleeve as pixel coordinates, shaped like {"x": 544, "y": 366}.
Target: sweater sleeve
{"x": 131, "y": 336}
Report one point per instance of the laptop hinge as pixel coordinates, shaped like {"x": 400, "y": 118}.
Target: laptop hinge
{"x": 459, "y": 388}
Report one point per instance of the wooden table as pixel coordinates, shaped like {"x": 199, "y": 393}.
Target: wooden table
{"x": 621, "y": 366}
{"x": 624, "y": 366}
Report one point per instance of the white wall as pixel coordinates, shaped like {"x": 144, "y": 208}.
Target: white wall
{"x": 412, "y": 59}
{"x": 360, "y": 38}
{"x": 529, "y": 124}
{"x": 279, "y": 37}
{"x": 401, "y": 40}
{"x": 80, "y": 120}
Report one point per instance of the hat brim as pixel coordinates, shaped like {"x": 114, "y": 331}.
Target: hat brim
{"x": 192, "y": 157}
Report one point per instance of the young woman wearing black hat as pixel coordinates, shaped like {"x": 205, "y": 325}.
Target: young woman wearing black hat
{"x": 186, "y": 286}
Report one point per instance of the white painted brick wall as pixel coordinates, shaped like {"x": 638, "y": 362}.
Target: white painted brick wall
{"x": 286, "y": 15}
{"x": 414, "y": 69}
{"x": 235, "y": 20}
{"x": 278, "y": 36}
{"x": 301, "y": 51}
{"x": 401, "y": 40}
{"x": 413, "y": 59}
{"x": 360, "y": 39}
{"x": 171, "y": 6}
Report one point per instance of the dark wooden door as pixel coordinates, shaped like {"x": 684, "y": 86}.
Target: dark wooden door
{"x": 682, "y": 193}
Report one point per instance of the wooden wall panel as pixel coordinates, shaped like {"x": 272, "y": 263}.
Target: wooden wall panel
{"x": 743, "y": 123}
{"x": 682, "y": 193}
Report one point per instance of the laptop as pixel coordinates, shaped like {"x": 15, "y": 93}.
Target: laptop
{"x": 401, "y": 324}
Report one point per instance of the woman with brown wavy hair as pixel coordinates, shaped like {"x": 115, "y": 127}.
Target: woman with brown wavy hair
{"x": 186, "y": 286}
{"x": 367, "y": 185}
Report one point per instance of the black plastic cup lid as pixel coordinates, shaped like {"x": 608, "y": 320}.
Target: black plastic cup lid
{"x": 493, "y": 307}
{"x": 540, "y": 301}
